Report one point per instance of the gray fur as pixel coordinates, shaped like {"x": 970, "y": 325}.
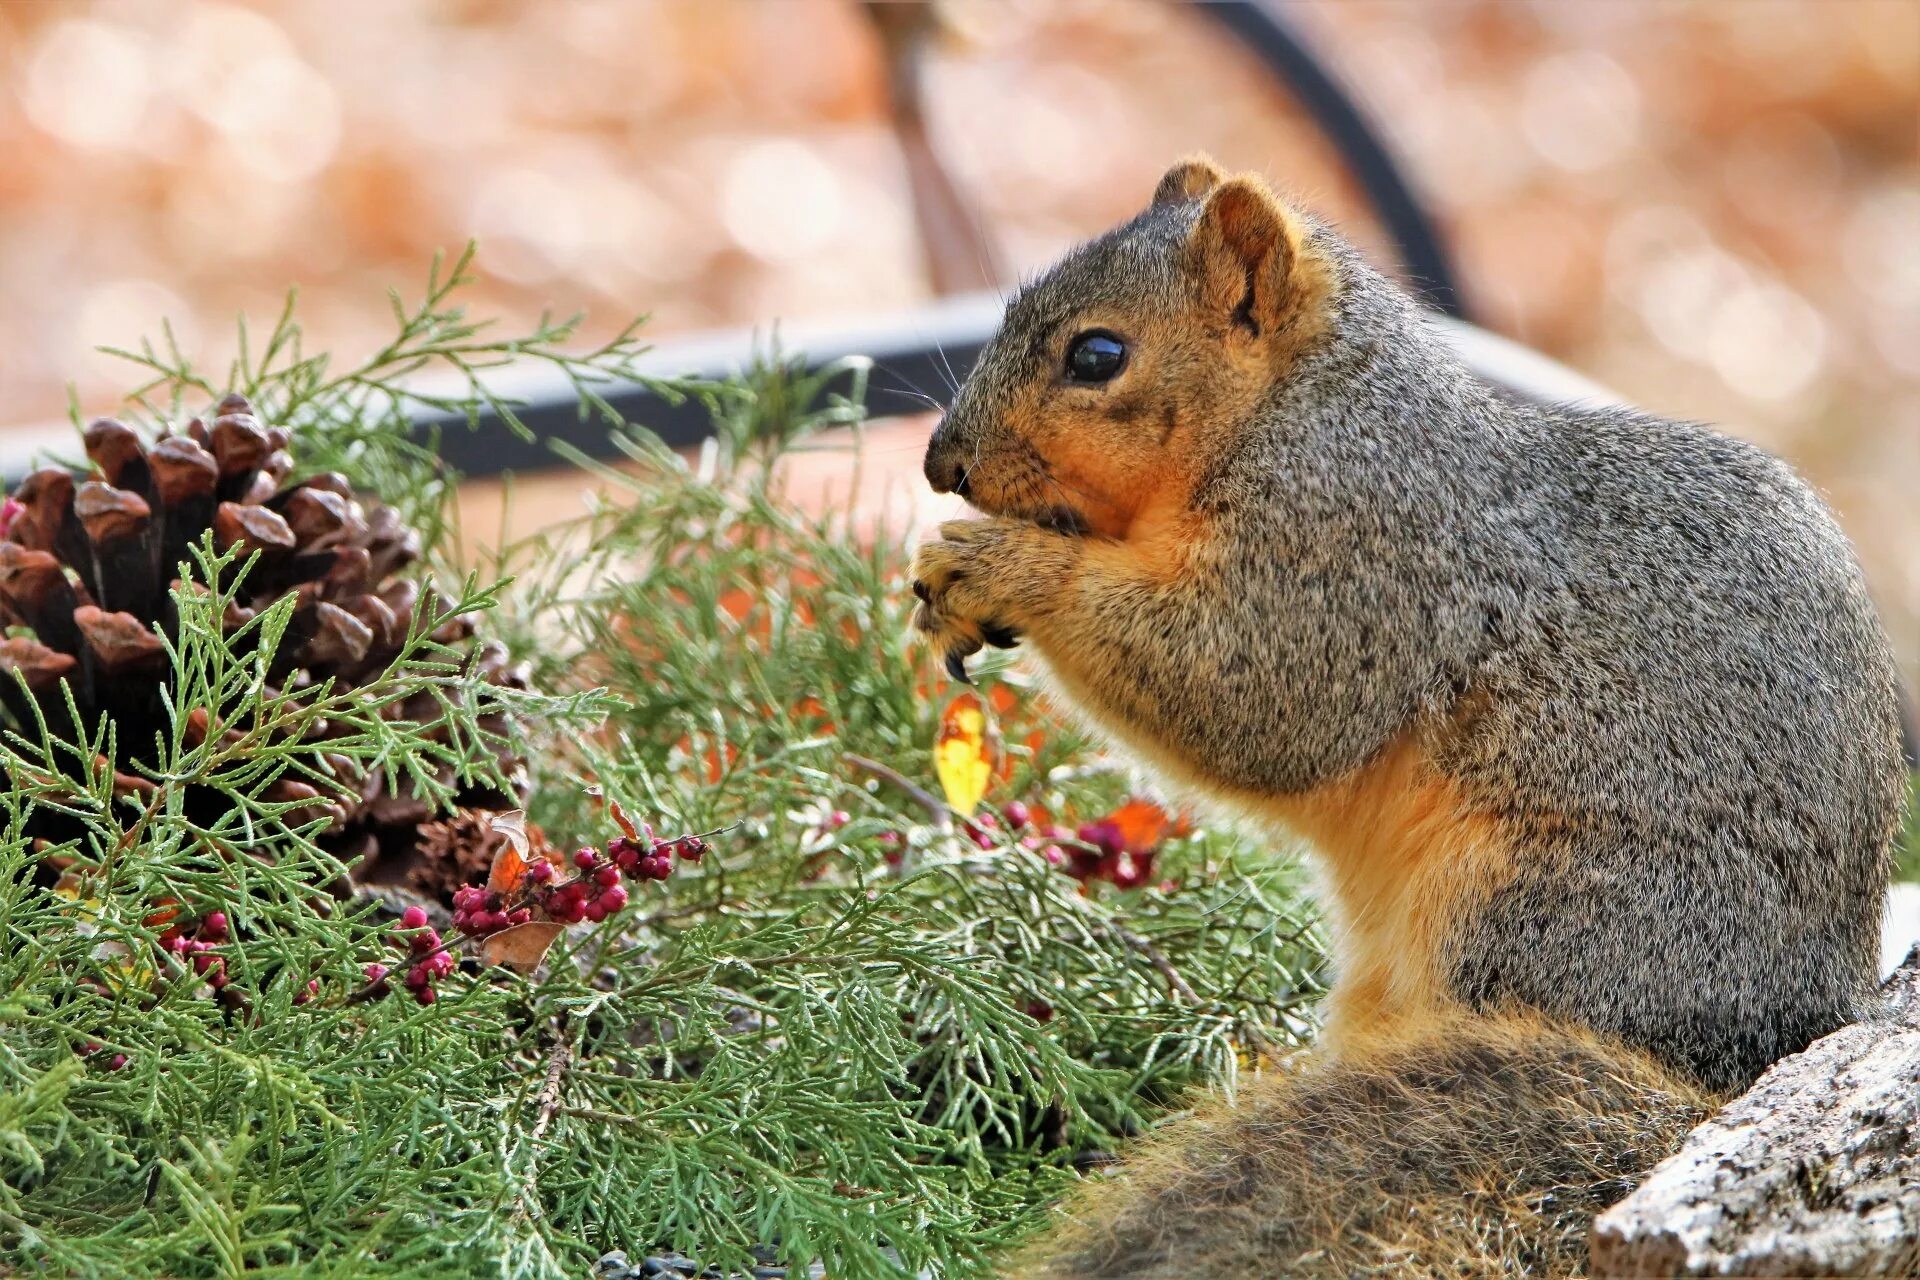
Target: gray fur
{"x": 1643, "y": 645}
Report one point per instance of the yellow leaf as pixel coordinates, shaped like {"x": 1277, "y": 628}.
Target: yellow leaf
{"x": 963, "y": 754}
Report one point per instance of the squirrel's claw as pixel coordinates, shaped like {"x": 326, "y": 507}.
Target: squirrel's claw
{"x": 957, "y": 666}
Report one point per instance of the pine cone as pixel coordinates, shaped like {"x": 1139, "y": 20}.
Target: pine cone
{"x": 451, "y": 852}
{"x": 87, "y": 564}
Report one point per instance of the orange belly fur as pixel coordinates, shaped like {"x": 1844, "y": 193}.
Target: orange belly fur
{"x": 1402, "y": 856}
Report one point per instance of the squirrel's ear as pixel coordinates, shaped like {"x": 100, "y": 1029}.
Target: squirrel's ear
{"x": 1244, "y": 248}
{"x": 1190, "y": 179}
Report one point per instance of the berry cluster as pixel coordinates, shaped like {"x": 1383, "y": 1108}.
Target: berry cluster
{"x": 478, "y": 912}
{"x": 983, "y": 828}
{"x": 544, "y": 892}
{"x": 199, "y": 947}
{"x": 1099, "y": 851}
{"x": 435, "y": 961}
{"x": 115, "y": 1063}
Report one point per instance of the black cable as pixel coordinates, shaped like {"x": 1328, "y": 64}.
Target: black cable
{"x": 1258, "y": 26}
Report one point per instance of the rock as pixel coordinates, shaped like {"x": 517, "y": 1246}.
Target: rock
{"x": 1815, "y": 1171}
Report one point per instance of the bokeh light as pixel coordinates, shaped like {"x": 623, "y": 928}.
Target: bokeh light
{"x": 1711, "y": 205}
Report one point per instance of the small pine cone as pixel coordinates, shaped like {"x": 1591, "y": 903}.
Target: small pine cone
{"x": 449, "y": 852}
{"x": 87, "y": 563}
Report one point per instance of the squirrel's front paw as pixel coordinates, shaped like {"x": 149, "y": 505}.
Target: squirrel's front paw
{"x": 960, "y": 608}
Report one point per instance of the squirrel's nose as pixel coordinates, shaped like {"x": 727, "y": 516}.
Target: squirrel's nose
{"x": 943, "y": 467}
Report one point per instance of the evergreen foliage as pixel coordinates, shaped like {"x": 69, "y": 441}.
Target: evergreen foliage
{"x": 860, "y": 1030}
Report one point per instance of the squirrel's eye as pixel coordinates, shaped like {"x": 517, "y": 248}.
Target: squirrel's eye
{"x": 1095, "y": 356}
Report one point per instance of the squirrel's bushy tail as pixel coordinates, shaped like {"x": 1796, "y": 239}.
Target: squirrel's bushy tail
{"x": 1477, "y": 1148}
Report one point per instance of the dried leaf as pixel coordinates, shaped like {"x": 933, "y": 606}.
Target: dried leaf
{"x": 521, "y": 946}
{"x": 963, "y": 754}
{"x": 511, "y": 863}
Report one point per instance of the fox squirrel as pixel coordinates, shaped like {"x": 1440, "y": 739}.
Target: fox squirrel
{"x": 1585, "y": 713}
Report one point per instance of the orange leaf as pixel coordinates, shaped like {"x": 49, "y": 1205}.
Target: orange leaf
{"x": 963, "y": 753}
{"x": 718, "y": 763}
{"x": 520, "y": 849}
{"x": 522, "y": 945}
{"x": 1143, "y": 825}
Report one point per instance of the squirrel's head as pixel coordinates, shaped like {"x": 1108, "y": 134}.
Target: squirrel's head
{"x": 1140, "y": 356}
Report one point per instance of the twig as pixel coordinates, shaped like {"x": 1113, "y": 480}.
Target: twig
{"x": 1255, "y": 1041}
{"x": 1159, "y": 961}
{"x": 557, "y": 1063}
{"x": 937, "y": 809}
{"x": 548, "y": 1100}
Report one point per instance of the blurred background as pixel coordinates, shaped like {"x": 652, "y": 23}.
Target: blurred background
{"x": 1712, "y": 207}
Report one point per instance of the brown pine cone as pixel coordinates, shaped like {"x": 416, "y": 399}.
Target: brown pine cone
{"x": 87, "y": 562}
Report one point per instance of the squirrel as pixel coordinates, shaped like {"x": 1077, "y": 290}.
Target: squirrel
{"x": 1585, "y": 715}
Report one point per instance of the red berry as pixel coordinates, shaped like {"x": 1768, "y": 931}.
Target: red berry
{"x": 836, "y": 820}
{"x": 377, "y": 972}
{"x": 520, "y": 915}
{"x": 540, "y": 872}
{"x": 311, "y": 990}
{"x": 413, "y": 918}
{"x": 425, "y": 940}
{"x": 596, "y": 912}
{"x": 1017, "y": 814}
{"x": 1104, "y": 836}
{"x": 586, "y": 859}
{"x": 614, "y": 899}
{"x": 215, "y": 925}
{"x": 425, "y": 995}
{"x": 692, "y": 848}
{"x": 607, "y": 877}
{"x": 1083, "y": 864}
{"x": 116, "y": 1062}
